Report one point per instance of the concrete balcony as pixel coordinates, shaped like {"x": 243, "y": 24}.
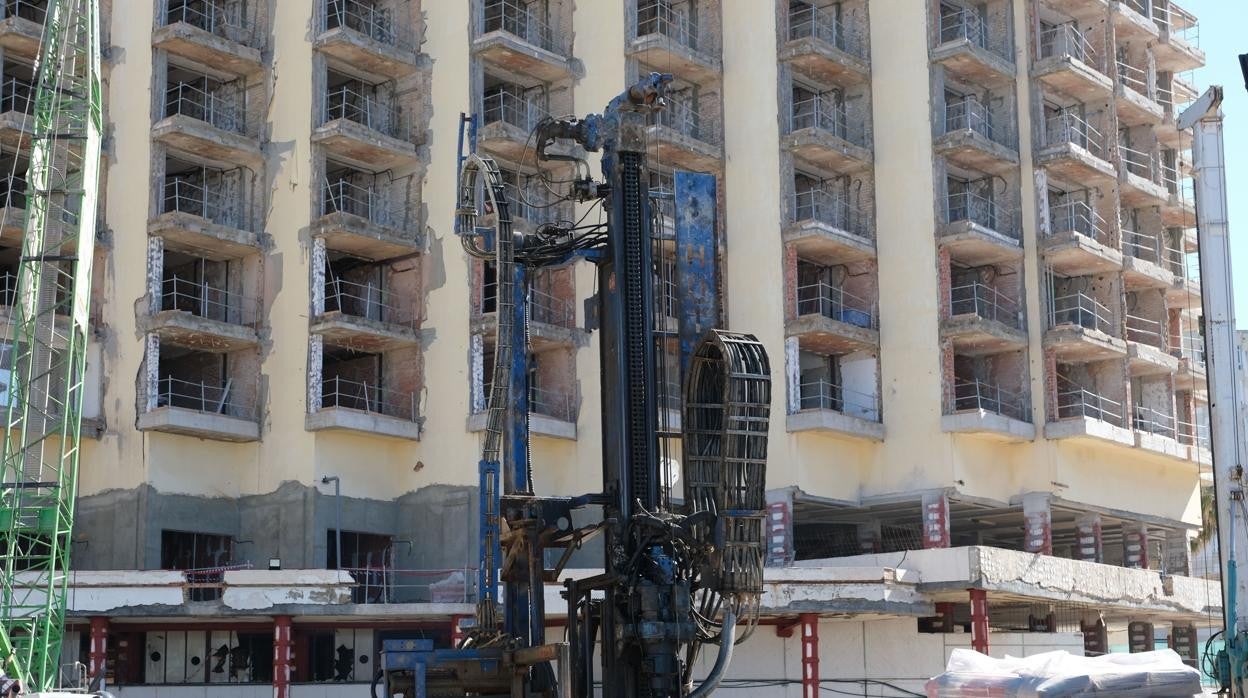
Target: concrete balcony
{"x": 367, "y": 38}
{"x": 1135, "y": 95}
{"x": 12, "y": 209}
{"x": 982, "y": 321}
{"x": 672, "y": 41}
{"x": 364, "y": 131}
{"x": 1132, "y": 20}
{"x": 681, "y": 137}
{"x": 973, "y": 138}
{"x": 1184, "y": 292}
{"x": 1139, "y": 179}
{"x": 203, "y": 221}
{"x": 1069, "y": 63}
{"x": 552, "y": 323}
{"x": 513, "y": 37}
{"x": 363, "y": 407}
{"x": 977, "y": 230}
{"x": 1158, "y": 432}
{"x": 1177, "y": 48}
{"x": 824, "y": 48}
{"x": 1146, "y": 348}
{"x": 967, "y": 48}
{"x": 21, "y": 28}
{"x": 1076, "y": 151}
{"x": 362, "y": 222}
{"x": 1081, "y": 330}
{"x": 1173, "y": 97}
{"x": 1146, "y": 261}
{"x": 552, "y": 415}
{"x": 363, "y": 318}
{"x": 1191, "y": 374}
{"x": 215, "y": 40}
{"x": 829, "y": 230}
{"x": 1083, "y": 414}
{"x": 199, "y": 409}
{"x": 212, "y": 129}
{"x": 197, "y": 316}
{"x": 825, "y": 135}
{"x": 831, "y": 321}
{"x": 507, "y": 122}
{"x": 825, "y": 407}
{"x": 1080, "y": 9}
{"x": 982, "y": 409}
{"x": 17, "y": 121}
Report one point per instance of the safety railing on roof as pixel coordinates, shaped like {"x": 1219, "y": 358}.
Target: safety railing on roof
{"x": 1074, "y": 402}
{"x": 520, "y": 21}
{"x": 1145, "y": 331}
{"x": 971, "y": 114}
{"x": 17, "y": 95}
{"x": 982, "y": 395}
{"x": 965, "y": 23}
{"x": 808, "y": 21}
{"x": 986, "y": 302}
{"x": 202, "y": 396}
{"x": 1069, "y": 127}
{"x": 192, "y": 101}
{"x": 1065, "y": 40}
{"x": 384, "y": 584}
{"x": 685, "y": 119}
{"x": 504, "y": 105}
{"x": 834, "y": 302}
{"x": 982, "y": 211}
{"x": 206, "y": 301}
{"x": 217, "y": 17}
{"x": 364, "y": 17}
{"x": 834, "y": 210}
{"x": 824, "y": 113}
{"x": 1152, "y": 421}
{"x": 368, "y": 301}
{"x": 1078, "y": 217}
{"x": 552, "y": 403}
{"x": 1140, "y": 163}
{"x": 1082, "y": 310}
{"x": 368, "y": 110}
{"x": 550, "y": 309}
{"x": 661, "y": 18}
{"x": 192, "y": 197}
{"x": 823, "y": 394}
{"x": 339, "y": 392}
{"x": 367, "y": 202}
{"x": 1137, "y": 80}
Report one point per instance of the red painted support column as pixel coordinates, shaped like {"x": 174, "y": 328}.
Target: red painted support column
{"x": 457, "y": 633}
{"x": 1037, "y": 523}
{"x": 810, "y": 655}
{"x": 979, "y": 620}
{"x": 935, "y": 520}
{"x": 281, "y": 656}
{"x": 97, "y": 657}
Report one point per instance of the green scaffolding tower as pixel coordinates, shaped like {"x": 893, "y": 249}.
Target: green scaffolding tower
{"x": 47, "y": 344}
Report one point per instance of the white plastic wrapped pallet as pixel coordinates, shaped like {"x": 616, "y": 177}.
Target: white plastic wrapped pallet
{"x": 1158, "y": 674}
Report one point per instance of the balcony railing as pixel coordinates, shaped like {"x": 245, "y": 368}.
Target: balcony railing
{"x": 981, "y": 395}
{"x": 1181, "y": 24}
{"x": 1082, "y": 310}
{"x": 344, "y": 196}
{"x": 1145, "y": 331}
{"x": 1140, "y": 164}
{"x": 985, "y": 302}
{"x": 8, "y": 288}
{"x": 808, "y": 21}
{"x": 685, "y": 119}
{"x": 1151, "y": 248}
{"x": 823, "y": 394}
{"x": 1149, "y": 420}
{"x": 834, "y": 210}
{"x": 517, "y": 19}
{"x": 1192, "y": 348}
{"x": 1193, "y": 434}
{"x": 203, "y": 300}
{"x": 659, "y": 17}
{"x": 211, "y": 202}
{"x": 366, "y": 301}
{"x": 13, "y": 192}
{"x": 194, "y": 102}
{"x": 510, "y": 108}
{"x": 217, "y": 17}
{"x": 836, "y": 303}
{"x": 1067, "y": 41}
{"x": 383, "y": 584}
{"x": 17, "y": 95}
{"x": 368, "y": 397}
{"x": 981, "y": 210}
{"x": 369, "y": 111}
{"x": 972, "y": 114}
{"x": 1078, "y": 217}
{"x": 377, "y": 23}
{"x": 550, "y": 309}
{"x": 552, "y": 403}
{"x": 968, "y": 24}
{"x": 824, "y": 113}
{"x": 208, "y": 583}
{"x": 205, "y": 397}
{"x": 1074, "y": 402}
{"x": 34, "y": 10}
{"x": 1069, "y": 127}
{"x": 1137, "y": 80}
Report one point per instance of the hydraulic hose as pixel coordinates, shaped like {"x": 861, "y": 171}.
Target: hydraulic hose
{"x": 726, "y": 641}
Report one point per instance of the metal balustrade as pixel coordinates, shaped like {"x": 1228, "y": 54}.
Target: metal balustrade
{"x": 1151, "y": 421}
{"x": 1140, "y": 6}
{"x": 344, "y": 196}
{"x": 517, "y": 19}
{"x": 834, "y": 210}
{"x": 217, "y": 17}
{"x": 1145, "y": 331}
{"x": 982, "y": 395}
{"x": 339, "y": 392}
{"x": 1180, "y": 23}
{"x": 550, "y": 309}
{"x": 1076, "y": 402}
{"x": 17, "y": 95}
{"x": 503, "y": 105}
{"x": 684, "y": 118}
{"x": 370, "y": 111}
{"x": 965, "y": 23}
{"x": 363, "y": 17}
{"x": 207, "y": 301}
{"x": 808, "y": 21}
{"x": 983, "y": 211}
{"x": 367, "y": 301}
{"x": 202, "y": 396}
{"x": 1082, "y": 310}
{"x": 1192, "y": 348}
{"x": 33, "y": 10}
{"x": 824, "y": 113}
{"x": 971, "y": 114}
{"x": 384, "y": 584}
{"x": 216, "y": 204}
{"x": 823, "y": 394}
{"x": 1069, "y": 127}
{"x": 1137, "y": 80}
{"x": 1142, "y": 246}
{"x": 661, "y": 18}
{"x": 552, "y": 403}
{"x": 13, "y": 192}
{"x": 8, "y": 288}
{"x": 192, "y": 101}
{"x": 1192, "y": 434}
{"x": 986, "y": 302}
{"x": 834, "y": 302}
{"x": 1140, "y": 164}
{"x": 1066, "y": 41}
{"x": 1078, "y": 217}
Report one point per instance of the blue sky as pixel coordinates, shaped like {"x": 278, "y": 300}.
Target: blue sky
{"x": 1223, "y": 36}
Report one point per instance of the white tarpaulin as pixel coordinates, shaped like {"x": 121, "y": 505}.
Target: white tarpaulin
{"x": 1159, "y": 674}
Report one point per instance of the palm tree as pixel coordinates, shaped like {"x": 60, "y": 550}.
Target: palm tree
{"x": 1208, "y": 519}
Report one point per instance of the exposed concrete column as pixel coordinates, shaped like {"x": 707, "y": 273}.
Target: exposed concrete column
{"x": 1178, "y": 553}
{"x": 97, "y": 657}
{"x": 790, "y": 282}
{"x": 316, "y": 355}
{"x": 1135, "y": 545}
{"x": 1095, "y": 635}
{"x": 945, "y": 274}
{"x": 151, "y": 373}
{"x": 948, "y": 376}
{"x": 1140, "y": 636}
{"x": 155, "y": 272}
{"x": 1050, "y": 384}
{"x": 1088, "y": 545}
{"x": 1183, "y": 640}
{"x": 476, "y": 360}
{"x": 281, "y": 656}
{"x": 1037, "y": 523}
{"x": 810, "y": 655}
{"x": 869, "y": 538}
{"x": 317, "y": 273}
{"x": 979, "y": 620}
{"x": 935, "y": 520}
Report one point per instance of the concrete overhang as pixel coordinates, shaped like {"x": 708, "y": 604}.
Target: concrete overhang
{"x": 1191, "y": 375}
{"x": 204, "y": 425}
{"x": 214, "y": 55}
{"x": 366, "y": 57}
{"x": 1161, "y": 444}
{"x": 1178, "y": 212}
{"x": 1075, "y": 344}
{"x": 973, "y": 244}
{"x": 215, "y": 146}
{"x": 184, "y": 329}
{"x": 506, "y": 141}
{"x": 1138, "y": 273}
{"x": 1080, "y": 9}
{"x": 1089, "y": 428}
{"x": 1139, "y": 192}
{"x": 1176, "y": 55}
{"x": 372, "y": 423}
{"x": 1147, "y": 360}
{"x": 15, "y": 129}
{"x": 360, "y": 146}
{"x": 973, "y": 150}
{"x": 664, "y": 52}
{"x": 827, "y": 335}
{"x": 824, "y": 62}
{"x": 827, "y": 244}
{"x": 1130, "y": 24}
{"x": 360, "y": 237}
{"x": 826, "y": 149}
{"x": 1071, "y": 253}
{"x": 1075, "y": 163}
{"x": 184, "y": 232}
{"x": 833, "y": 422}
{"x": 1184, "y": 293}
{"x": 511, "y": 53}
{"x": 12, "y": 225}
{"x": 1134, "y": 108}
{"x": 20, "y": 37}
{"x": 973, "y": 335}
{"x": 542, "y": 335}
{"x": 973, "y": 64}
{"x": 363, "y": 334}
{"x": 990, "y": 425}
{"x": 1071, "y": 76}
{"x": 667, "y": 145}
{"x": 539, "y": 425}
